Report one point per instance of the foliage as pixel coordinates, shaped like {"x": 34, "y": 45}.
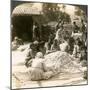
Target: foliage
{"x": 53, "y": 13}
{"x": 78, "y": 11}
{"x": 65, "y": 17}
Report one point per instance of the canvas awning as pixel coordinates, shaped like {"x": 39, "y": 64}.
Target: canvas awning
{"x": 31, "y": 9}
{"x": 28, "y": 9}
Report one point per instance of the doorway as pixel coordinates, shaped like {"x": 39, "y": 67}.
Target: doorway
{"x": 23, "y": 27}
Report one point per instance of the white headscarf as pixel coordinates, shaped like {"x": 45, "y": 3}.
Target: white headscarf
{"x": 39, "y": 55}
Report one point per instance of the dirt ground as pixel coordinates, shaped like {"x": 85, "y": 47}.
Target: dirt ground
{"x": 21, "y": 81}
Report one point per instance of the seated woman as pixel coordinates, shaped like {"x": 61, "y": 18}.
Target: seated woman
{"x": 15, "y": 43}
{"x": 36, "y": 71}
{"x": 64, "y": 46}
{"x": 30, "y": 54}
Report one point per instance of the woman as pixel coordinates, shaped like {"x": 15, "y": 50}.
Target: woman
{"x": 64, "y": 46}
{"x": 36, "y": 71}
{"x": 30, "y": 54}
{"x": 15, "y": 43}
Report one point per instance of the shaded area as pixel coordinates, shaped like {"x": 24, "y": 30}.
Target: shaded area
{"x": 22, "y": 27}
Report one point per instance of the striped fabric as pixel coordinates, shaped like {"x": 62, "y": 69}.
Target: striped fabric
{"x": 28, "y": 9}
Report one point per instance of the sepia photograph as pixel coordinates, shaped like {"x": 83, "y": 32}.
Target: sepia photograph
{"x": 49, "y": 44}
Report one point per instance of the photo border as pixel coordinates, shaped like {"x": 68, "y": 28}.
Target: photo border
{"x": 11, "y": 88}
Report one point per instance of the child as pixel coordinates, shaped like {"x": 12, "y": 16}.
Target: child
{"x": 36, "y": 71}
{"x": 76, "y": 50}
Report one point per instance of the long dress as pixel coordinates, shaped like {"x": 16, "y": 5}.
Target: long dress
{"x": 36, "y": 71}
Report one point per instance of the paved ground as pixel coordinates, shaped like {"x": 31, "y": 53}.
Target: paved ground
{"x": 21, "y": 81}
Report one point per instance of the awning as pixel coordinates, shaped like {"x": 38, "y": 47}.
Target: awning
{"x": 28, "y": 9}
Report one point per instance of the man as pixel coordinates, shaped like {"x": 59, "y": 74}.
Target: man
{"x": 36, "y": 32}
{"x": 83, "y": 28}
{"x": 75, "y": 28}
{"x": 59, "y": 34}
{"x": 60, "y": 24}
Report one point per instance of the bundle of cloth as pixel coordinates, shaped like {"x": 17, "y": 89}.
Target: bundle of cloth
{"x": 61, "y": 62}
{"x": 76, "y": 35}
